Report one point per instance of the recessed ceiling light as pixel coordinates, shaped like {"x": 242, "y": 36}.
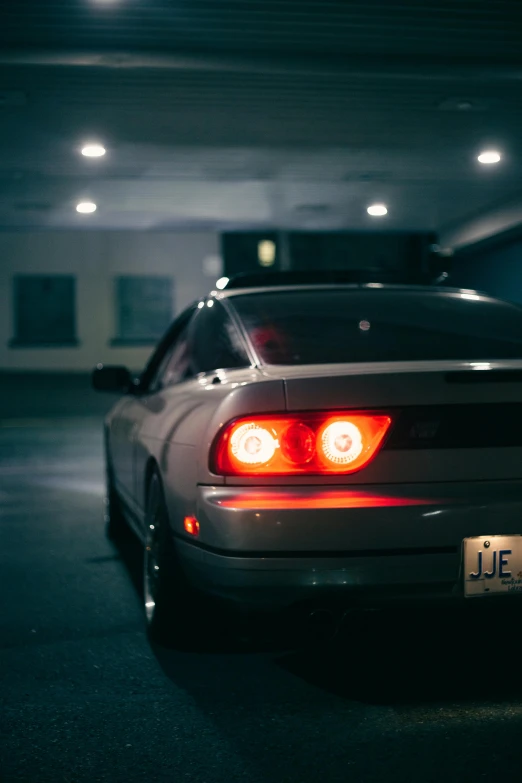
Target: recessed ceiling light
{"x": 86, "y": 207}
{"x": 456, "y": 103}
{"x": 377, "y": 210}
{"x": 489, "y": 156}
{"x": 93, "y": 150}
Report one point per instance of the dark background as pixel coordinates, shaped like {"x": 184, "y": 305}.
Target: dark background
{"x": 228, "y": 123}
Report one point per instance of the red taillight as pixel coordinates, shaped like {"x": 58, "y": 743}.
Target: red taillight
{"x": 295, "y": 444}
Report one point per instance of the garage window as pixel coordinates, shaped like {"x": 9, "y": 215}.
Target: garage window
{"x": 144, "y": 308}
{"x": 44, "y": 310}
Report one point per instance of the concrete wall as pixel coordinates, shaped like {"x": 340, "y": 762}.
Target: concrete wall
{"x": 495, "y": 270}
{"x": 96, "y": 258}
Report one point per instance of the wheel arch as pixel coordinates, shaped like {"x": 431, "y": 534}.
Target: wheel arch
{"x": 150, "y": 468}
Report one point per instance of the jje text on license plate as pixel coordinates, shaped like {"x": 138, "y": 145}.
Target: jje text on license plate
{"x": 492, "y": 564}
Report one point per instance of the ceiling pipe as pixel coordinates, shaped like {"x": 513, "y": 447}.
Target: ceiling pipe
{"x": 503, "y": 218}
{"x": 384, "y": 67}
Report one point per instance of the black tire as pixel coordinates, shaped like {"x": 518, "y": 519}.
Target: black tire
{"x": 177, "y": 615}
{"x": 115, "y": 523}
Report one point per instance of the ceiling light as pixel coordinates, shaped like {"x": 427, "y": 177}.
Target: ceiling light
{"x": 461, "y": 104}
{"x": 222, "y": 283}
{"x": 489, "y": 156}
{"x": 377, "y": 210}
{"x": 93, "y": 151}
{"x": 86, "y": 207}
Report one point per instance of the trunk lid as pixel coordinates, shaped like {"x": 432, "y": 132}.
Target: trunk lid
{"x": 452, "y": 421}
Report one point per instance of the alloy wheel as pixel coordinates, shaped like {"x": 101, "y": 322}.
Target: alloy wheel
{"x": 152, "y": 557}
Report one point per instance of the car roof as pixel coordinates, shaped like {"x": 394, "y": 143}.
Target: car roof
{"x": 388, "y": 287}
{"x": 332, "y": 279}
{"x": 283, "y": 277}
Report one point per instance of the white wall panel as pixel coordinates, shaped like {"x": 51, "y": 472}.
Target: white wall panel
{"x": 96, "y": 259}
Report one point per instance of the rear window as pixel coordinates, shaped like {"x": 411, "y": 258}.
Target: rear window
{"x": 336, "y": 326}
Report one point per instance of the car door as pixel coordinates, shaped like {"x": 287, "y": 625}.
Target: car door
{"x": 128, "y": 419}
{"x": 208, "y": 343}
{"x": 121, "y": 430}
{"x": 173, "y": 367}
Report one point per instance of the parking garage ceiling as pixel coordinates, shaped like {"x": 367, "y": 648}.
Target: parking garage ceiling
{"x": 245, "y": 114}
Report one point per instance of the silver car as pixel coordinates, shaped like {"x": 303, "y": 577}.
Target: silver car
{"x": 319, "y": 446}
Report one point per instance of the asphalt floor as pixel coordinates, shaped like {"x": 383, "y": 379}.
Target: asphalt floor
{"x": 402, "y": 696}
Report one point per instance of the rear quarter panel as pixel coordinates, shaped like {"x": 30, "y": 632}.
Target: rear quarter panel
{"x": 180, "y": 425}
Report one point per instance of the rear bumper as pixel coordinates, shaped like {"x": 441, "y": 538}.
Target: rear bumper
{"x": 273, "y": 547}
{"x": 271, "y": 583}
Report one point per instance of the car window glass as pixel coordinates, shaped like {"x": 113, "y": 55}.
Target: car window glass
{"x": 149, "y": 376}
{"x": 215, "y": 341}
{"x": 335, "y": 326}
{"x": 175, "y": 366}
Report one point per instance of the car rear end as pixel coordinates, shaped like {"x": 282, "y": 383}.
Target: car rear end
{"x": 372, "y": 480}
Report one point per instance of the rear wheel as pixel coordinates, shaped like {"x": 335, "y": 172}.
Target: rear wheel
{"x": 176, "y": 614}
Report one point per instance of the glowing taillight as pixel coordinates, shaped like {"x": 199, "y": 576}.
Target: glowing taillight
{"x": 348, "y": 443}
{"x": 341, "y": 442}
{"x": 309, "y": 443}
{"x": 297, "y": 443}
{"x": 251, "y": 444}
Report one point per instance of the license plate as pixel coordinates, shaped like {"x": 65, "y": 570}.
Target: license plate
{"x": 492, "y": 565}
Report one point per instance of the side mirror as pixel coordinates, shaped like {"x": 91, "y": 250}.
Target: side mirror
{"x": 111, "y": 378}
